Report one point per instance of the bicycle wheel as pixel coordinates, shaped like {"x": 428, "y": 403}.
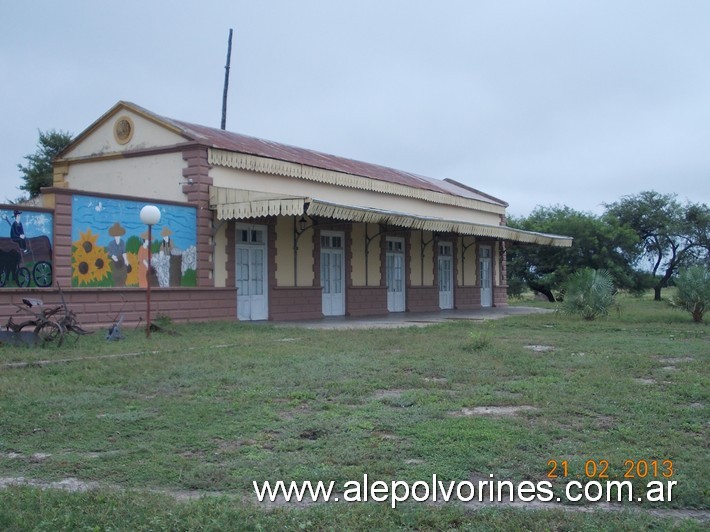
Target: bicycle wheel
{"x": 50, "y": 331}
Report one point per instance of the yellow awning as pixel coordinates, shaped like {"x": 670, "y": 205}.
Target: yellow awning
{"x": 234, "y": 204}
{"x": 427, "y": 223}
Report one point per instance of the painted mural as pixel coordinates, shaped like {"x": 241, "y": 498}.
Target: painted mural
{"x": 110, "y": 244}
{"x": 25, "y": 248}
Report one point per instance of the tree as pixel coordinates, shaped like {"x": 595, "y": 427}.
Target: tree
{"x": 599, "y": 243}
{"x": 38, "y": 172}
{"x": 693, "y": 291}
{"x": 671, "y": 235}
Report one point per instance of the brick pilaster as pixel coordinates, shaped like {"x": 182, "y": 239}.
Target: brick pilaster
{"x": 198, "y": 194}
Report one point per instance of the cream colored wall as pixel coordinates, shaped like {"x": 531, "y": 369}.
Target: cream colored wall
{"x": 428, "y": 259}
{"x": 470, "y": 264}
{"x": 153, "y": 176}
{"x": 146, "y": 134}
{"x": 358, "y": 251}
{"x": 305, "y": 256}
{"x": 415, "y": 261}
{"x": 415, "y": 258}
{"x": 220, "y": 254}
{"x": 284, "y": 254}
{"x": 284, "y": 251}
{"x": 357, "y": 247}
{"x": 234, "y": 178}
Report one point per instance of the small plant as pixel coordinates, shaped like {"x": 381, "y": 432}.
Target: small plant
{"x": 479, "y": 340}
{"x": 693, "y": 292}
{"x": 163, "y": 320}
{"x": 588, "y": 293}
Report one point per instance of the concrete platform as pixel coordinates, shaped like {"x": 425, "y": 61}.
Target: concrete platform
{"x": 411, "y": 319}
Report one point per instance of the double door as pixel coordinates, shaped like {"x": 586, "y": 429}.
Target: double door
{"x": 252, "y": 285}
{"x": 486, "y": 276}
{"x": 446, "y": 275}
{"x": 394, "y": 270}
{"x": 332, "y": 273}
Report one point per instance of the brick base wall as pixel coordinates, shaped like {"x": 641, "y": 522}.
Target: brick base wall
{"x": 467, "y": 297}
{"x": 500, "y": 296}
{"x": 422, "y": 298}
{"x": 366, "y": 301}
{"x": 299, "y": 303}
{"x": 96, "y": 308}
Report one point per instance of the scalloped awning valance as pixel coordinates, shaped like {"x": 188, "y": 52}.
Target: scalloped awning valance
{"x": 233, "y": 204}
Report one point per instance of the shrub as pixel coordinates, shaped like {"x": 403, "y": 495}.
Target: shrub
{"x": 479, "y": 340}
{"x": 588, "y": 293}
{"x": 516, "y": 287}
{"x": 693, "y": 292}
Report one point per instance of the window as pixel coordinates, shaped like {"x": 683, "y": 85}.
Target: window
{"x": 251, "y": 236}
{"x": 395, "y": 246}
{"x": 331, "y": 242}
{"x": 445, "y": 250}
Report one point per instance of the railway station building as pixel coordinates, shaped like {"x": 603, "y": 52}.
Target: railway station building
{"x": 249, "y": 230}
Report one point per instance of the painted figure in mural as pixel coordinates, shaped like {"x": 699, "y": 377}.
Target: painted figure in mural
{"x": 17, "y": 232}
{"x": 166, "y": 245}
{"x": 143, "y": 266}
{"x": 117, "y": 253}
{"x": 164, "y": 262}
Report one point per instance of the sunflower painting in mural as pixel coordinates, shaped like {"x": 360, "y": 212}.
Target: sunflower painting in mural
{"x": 89, "y": 261}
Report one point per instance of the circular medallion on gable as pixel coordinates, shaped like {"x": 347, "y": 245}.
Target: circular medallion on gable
{"x": 123, "y": 130}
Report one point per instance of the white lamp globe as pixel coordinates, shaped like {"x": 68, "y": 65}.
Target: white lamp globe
{"x": 150, "y": 215}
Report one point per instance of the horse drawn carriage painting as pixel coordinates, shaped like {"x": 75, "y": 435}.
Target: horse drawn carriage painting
{"x": 26, "y": 253}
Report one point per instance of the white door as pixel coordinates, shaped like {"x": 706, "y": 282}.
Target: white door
{"x": 446, "y": 276}
{"x": 395, "y": 274}
{"x": 252, "y": 288}
{"x": 486, "y": 275}
{"x": 332, "y": 273}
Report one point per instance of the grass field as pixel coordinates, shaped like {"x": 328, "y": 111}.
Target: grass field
{"x": 222, "y": 405}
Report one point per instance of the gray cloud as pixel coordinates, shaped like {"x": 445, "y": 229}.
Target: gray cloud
{"x": 545, "y": 102}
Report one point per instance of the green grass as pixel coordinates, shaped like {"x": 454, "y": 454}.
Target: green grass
{"x": 225, "y": 404}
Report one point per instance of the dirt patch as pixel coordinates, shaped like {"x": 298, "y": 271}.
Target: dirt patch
{"x": 605, "y": 422}
{"x": 231, "y": 446}
{"x": 388, "y": 394}
{"x": 674, "y": 360}
{"x": 67, "y": 484}
{"x": 312, "y": 434}
{"x": 436, "y": 380}
{"x": 494, "y": 411}
{"x": 645, "y": 381}
{"x": 76, "y": 485}
{"x": 386, "y": 435}
{"x": 505, "y": 394}
{"x": 539, "y": 348}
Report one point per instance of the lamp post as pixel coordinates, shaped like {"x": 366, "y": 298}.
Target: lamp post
{"x": 150, "y": 215}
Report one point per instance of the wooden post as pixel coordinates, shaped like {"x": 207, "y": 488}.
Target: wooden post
{"x": 226, "y": 81}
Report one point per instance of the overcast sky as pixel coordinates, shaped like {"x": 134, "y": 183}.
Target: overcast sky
{"x": 535, "y": 102}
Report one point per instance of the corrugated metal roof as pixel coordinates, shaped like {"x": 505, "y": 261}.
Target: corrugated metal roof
{"x": 227, "y": 140}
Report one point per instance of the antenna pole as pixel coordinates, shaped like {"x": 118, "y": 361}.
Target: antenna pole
{"x": 226, "y": 81}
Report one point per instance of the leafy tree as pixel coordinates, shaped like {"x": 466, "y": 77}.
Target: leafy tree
{"x": 38, "y": 172}
{"x": 693, "y": 291}
{"x": 589, "y": 293}
{"x": 599, "y": 243}
{"x": 670, "y": 234}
